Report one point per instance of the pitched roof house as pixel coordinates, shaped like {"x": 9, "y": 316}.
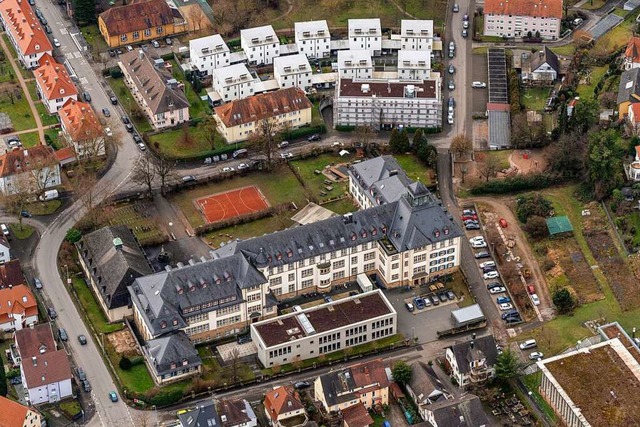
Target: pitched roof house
{"x": 30, "y": 170}
{"x": 112, "y": 259}
{"x": 18, "y": 308}
{"x": 362, "y": 384}
{"x": 517, "y": 18}
{"x": 46, "y": 372}
{"x": 140, "y": 21}
{"x": 171, "y": 357}
{"x": 356, "y": 416}
{"x": 159, "y": 95}
{"x": 544, "y": 66}
{"x": 465, "y": 411}
{"x": 628, "y": 91}
{"x": 13, "y": 414}
{"x": 11, "y": 274}
{"x": 238, "y": 120}
{"x": 54, "y": 84}
{"x": 283, "y": 408}
{"x": 24, "y": 31}
{"x": 237, "y": 413}
{"x": 203, "y": 415}
{"x": 82, "y": 129}
{"x": 473, "y": 361}
{"x": 632, "y": 54}
{"x": 425, "y": 388}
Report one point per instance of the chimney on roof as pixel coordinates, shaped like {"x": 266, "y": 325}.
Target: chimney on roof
{"x": 34, "y": 361}
{"x": 117, "y": 243}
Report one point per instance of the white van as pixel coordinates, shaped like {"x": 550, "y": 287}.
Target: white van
{"x": 49, "y": 195}
{"x": 528, "y": 344}
{"x": 478, "y": 85}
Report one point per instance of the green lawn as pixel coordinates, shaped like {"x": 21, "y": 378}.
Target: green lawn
{"x": 137, "y": 379}
{"x": 145, "y": 228}
{"x": 44, "y": 208}
{"x": 95, "y": 315}
{"x": 342, "y": 206}
{"x": 248, "y": 230}
{"x": 502, "y": 156}
{"x": 535, "y": 98}
{"x": 196, "y": 105}
{"x": 127, "y": 102}
{"x": 279, "y": 186}
{"x": 25, "y": 73}
{"x": 19, "y": 112}
{"x": 414, "y": 168}
{"x": 213, "y": 371}
{"x": 31, "y": 85}
{"x": 566, "y": 50}
{"x": 170, "y": 144}
{"x": 532, "y": 382}
{"x": 315, "y": 182}
{"x": 92, "y": 35}
{"x": 621, "y": 12}
{"x": 21, "y": 233}
{"x": 617, "y": 37}
{"x": 586, "y": 91}
{"x": 6, "y": 72}
{"x": 593, "y": 4}
{"x": 46, "y": 118}
{"x": 30, "y": 139}
{"x": 12, "y": 52}
{"x": 70, "y": 407}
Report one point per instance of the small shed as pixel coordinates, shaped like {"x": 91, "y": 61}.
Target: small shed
{"x": 467, "y": 316}
{"x": 559, "y": 225}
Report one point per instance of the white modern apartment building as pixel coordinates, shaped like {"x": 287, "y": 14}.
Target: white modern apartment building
{"x": 355, "y": 64}
{"x": 208, "y": 53}
{"x": 260, "y": 44}
{"x": 313, "y": 38}
{"x": 293, "y": 71}
{"x": 365, "y": 34}
{"x": 384, "y": 104}
{"x": 233, "y": 82}
{"x": 414, "y": 65}
{"x": 324, "y": 329}
{"x": 517, "y": 18}
{"x": 416, "y": 34}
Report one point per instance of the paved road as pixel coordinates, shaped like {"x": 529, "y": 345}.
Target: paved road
{"x": 44, "y": 261}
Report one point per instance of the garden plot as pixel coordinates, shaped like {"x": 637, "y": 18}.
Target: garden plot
{"x": 571, "y": 269}
{"x": 141, "y": 217}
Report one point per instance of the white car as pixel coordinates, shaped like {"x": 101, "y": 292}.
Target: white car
{"x": 478, "y": 85}
{"x": 491, "y": 275}
{"x": 450, "y": 119}
{"x": 56, "y": 42}
{"x": 141, "y": 146}
{"x": 243, "y": 166}
{"x": 487, "y": 264}
{"x": 506, "y": 306}
{"x": 108, "y": 132}
{"x": 536, "y": 355}
{"x": 228, "y": 169}
{"x": 5, "y": 229}
{"x": 497, "y": 290}
{"x": 535, "y": 300}
{"x": 479, "y": 244}
{"x": 477, "y": 239}
{"x": 286, "y": 155}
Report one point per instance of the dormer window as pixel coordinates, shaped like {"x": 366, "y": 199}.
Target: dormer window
{"x": 173, "y": 365}
{"x": 61, "y": 91}
{"x": 289, "y": 253}
{"x": 374, "y": 231}
{"x": 175, "y": 322}
{"x": 353, "y": 236}
{"x": 163, "y": 325}
{"x": 363, "y": 234}
{"x": 185, "y": 362}
{"x": 278, "y": 256}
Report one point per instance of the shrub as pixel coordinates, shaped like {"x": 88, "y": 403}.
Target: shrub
{"x": 517, "y": 183}
{"x": 563, "y": 300}
{"x": 532, "y": 205}
{"x": 345, "y": 128}
{"x": 73, "y": 235}
{"x": 125, "y": 363}
{"x": 536, "y": 226}
{"x": 164, "y": 398}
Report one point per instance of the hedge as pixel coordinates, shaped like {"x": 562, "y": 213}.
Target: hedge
{"x": 240, "y": 219}
{"x": 517, "y": 183}
{"x": 345, "y": 128}
{"x": 304, "y": 131}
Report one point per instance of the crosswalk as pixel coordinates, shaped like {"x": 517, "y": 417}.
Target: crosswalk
{"x": 73, "y": 55}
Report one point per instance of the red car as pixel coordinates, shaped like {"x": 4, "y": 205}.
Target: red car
{"x": 469, "y": 217}
{"x": 503, "y": 223}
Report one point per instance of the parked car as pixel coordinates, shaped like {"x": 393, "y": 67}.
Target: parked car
{"x": 314, "y": 137}
{"x": 25, "y": 214}
{"x": 510, "y": 313}
{"x": 86, "y": 96}
{"x": 62, "y": 334}
{"x": 451, "y": 102}
{"x": 505, "y": 306}
{"x": 456, "y": 8}
{"x": 141, "y": 146}
{"x": 497, "y": 290}
{"x": 443, "y": 297}
{"x": 302, "y": 384}
{"x": 47, "y": 29}
{"x": 168, "y": 41}
{"x": 490, "y": 275}
{"x": 125, "y": 120}
{"x": 106, "y": 112}
{"x": 536, "y": 355}
{"x": 136, "y": 138}
{"x": 477, "y": 244}
{"x": 86, "y": 386}
{"x": 487, "y": 264}
{"x": 409, "y": 306}
{"x": 56, "y": 42}
{"x": 472, "y": 226}
{"x": 465, "y": 25}
{"x": 451, "y": 69}
{"x": 37, "y": 283}
{"x": 155, "y": 43}
{"x": 52, "y": 313}
{"x": 478, "y": 85}
{"x": 228, "y": 169}
{"x": 108, "y": 132}
{"x": 535, "y": 300}
{"x": 129, "y": 127}
{"x": 450, "y": 119}
{"x": 476, "y": 239}
{"x": 5, "y": 229}
{"x": 16, "y": 380}
{"x": 286, "y": 155}
{"x": 452, "y": 85}
{"x": 488, "y": 269}
{"x": 283, "y": 144}
{"x": 243, "y": 166}
{"x": 113, "y": 396}
{"x": 189, "y": 178}
{"x": 465, "y": 33}
{"x": 503, "y": 223}
{"x": 472, "y": 217}
{"x": 528, "y": 344}
{"x": 531, "y": 289}
{"x": 469, "y": 212}
{"x": 419, "y": 303}
{"x": 482, "y": 254}
{"x": 501, "y": 300}
{"x": 451, "y": 295}
{"x": 435, "y": 300}
{"x": 113, "y": 99}
{"x": 82, "y": 339}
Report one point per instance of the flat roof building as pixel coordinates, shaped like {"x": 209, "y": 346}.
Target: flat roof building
{"x": 208, "y": 53}
{"x": 293, "y": 71}
{"x": 365, "y": 34}
{"x": 355, "y": 64}
{"x": 313, "y": 38}
{"x": 416, "y": 34}
{"x": 261, "y": 44}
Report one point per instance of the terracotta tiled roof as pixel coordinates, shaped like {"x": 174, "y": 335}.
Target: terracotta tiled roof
{"x": 25, "y": 27}
{"x": 17, "y": 300}
{"x": 633, "y": 49}
{"x": 12, "y": 414}
{"x": 357, "y": 416}
{"x": 79, "y": 121}
{"x": 281, "y": 400}
{"x": 31, "y": 340}
{"x": 137, "y": 16}
{"x": 47, "y": 368}
{"x": 15, "y": 161}
{"x": 53, "y": 79}
{"x": 636, "y": 112}
{"x": 262, "y": 106}
{"x": 65, "y": 153}
{"x": 537, "y": 8}
{"x": 11, "y": 274}
{"x": 372, "y": 372}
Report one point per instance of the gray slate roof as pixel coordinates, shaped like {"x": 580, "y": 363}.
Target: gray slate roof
{"x": 115, "y": 269}
{"x": 483, "y": 348}
{"x": 547, "y": 56}
{"x": 203, "y": 415}
{"x": 464, "y": 412}
{"x": 380, "y": 177}
{"x": 629, "y": 89}
{"x": 163, "y": 296}
{"x": 425, "y": 384}
{"x": 151, "y": 82}
{"x": 236, "y": 412}
{"x": 403, "y": 225}
{"x": 171, "y": 348}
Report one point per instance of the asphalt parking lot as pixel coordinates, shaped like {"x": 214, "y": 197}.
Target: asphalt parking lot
{"x": 422, "y": 324}
{"x": 480, "y": 74}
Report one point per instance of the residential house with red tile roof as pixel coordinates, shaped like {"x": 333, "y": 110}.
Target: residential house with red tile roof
{"x": 140, "y": 21}
{"x": 32, "y": 170}
{"x": 284, "y": 408}
{"x": 13, "y": 414}
{"x": 365, "y": 384}
{"x": 632, "y": 54}
{"x": 238, "y": 120}
{"x": 24, "y": 31}
{"x": 159, "y": 95}
{"x": 53, "y": 84}
{"x": 518, "y": 18}
{"x": 82, "y": 129}
{"x": 18, "y": 308}
{"x": 46, "y": 372}
{"x": 356, "y": 416}
{"x": 11, "y": 274}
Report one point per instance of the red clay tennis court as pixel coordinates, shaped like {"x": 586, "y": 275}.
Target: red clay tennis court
{"x": 228, "y": 204}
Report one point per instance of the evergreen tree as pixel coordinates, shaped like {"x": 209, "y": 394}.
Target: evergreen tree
{"x": 394, "y": 141}
{"x": 563, "y": 119}
{"x": 84, "y": 11}
{"x": 404, "y": 144}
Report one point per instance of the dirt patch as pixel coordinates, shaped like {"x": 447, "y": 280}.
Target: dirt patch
{"x": 197, "y": 21}
{"x": 528, "y": 161}
{"x": 123, "y": 342}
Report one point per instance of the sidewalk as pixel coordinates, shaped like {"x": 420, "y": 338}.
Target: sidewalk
{"x": 23, "y": 85}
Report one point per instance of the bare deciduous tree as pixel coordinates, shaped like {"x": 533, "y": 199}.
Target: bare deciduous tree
{"x": 488, "y": 167}
{"x": 144, "y": 173}
{"x": 164, "y": 169}
{"x": 16, "y": 199}
{"x": 196, "y": 16}
{"x": 265, "y": 139}
{"x": 41, "y": 171}
{"x": 461, "y": 145}
{"x": 208, "y": 130}
{"x": 364, "y": 135}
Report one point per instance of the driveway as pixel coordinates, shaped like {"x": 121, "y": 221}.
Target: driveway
{"x": 480, "y": 74}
